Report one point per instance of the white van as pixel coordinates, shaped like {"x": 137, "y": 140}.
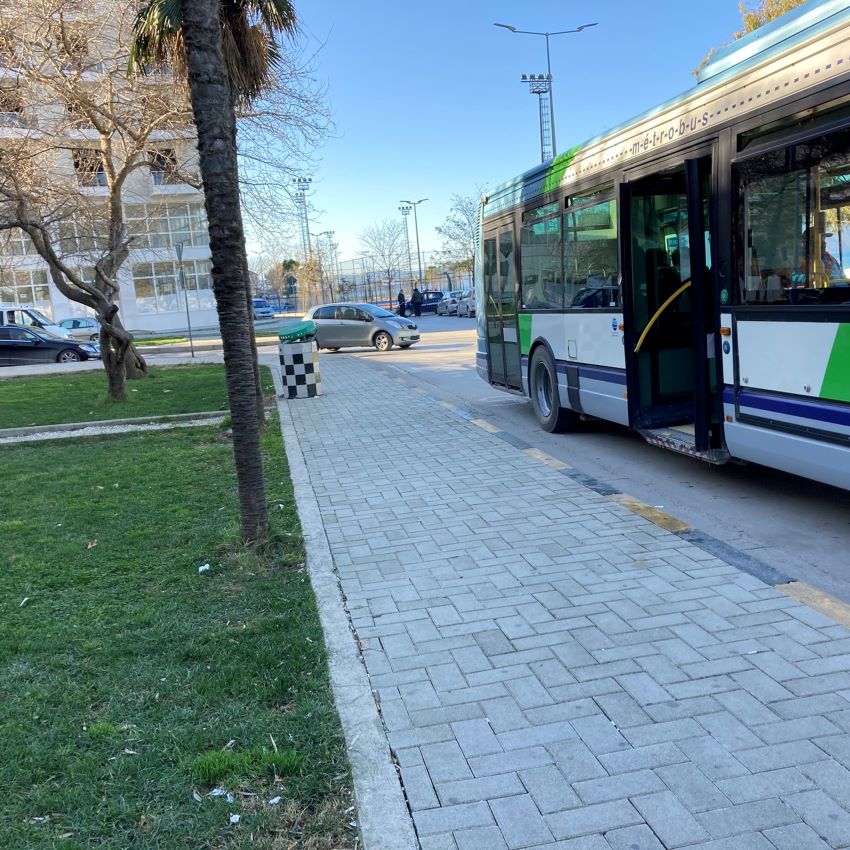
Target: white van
{"x": 28, "y": 317}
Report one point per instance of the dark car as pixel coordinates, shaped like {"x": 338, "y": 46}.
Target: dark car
{"x": 21, "y": 346}
{"x": 430, "y": 299}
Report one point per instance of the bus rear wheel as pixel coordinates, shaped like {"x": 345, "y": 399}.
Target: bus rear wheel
{"x": 543, "y": 388}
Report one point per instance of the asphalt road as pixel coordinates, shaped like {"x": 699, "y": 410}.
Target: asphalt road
{"x": 799, "y": 527}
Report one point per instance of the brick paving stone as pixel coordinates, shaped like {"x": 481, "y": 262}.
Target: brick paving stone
{"x": 593, "y": 819}
{"x": 520, "y": 820}
{"x": 797, "y": 836}
{"x": 670, "y": 820}
{"x": 482, "y": 838}
{"x": 418, "y": 788}
{"x": 639, "y": 837}
{"x": 611, "y": 659}
{"x": 476, "y": 737}
{"x": 450, "y": 818}
{"x": 482, "y": 788}
{"x": 823, "y": 814}
{"x": 748, "y": 817}
{"x": 693, "y": 788}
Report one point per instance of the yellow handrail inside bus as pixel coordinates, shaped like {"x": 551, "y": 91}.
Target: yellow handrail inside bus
{"x": 659, "y": 311}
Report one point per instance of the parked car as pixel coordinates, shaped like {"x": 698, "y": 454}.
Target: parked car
{"x": 262, "y": 309}
{"x": 28, "y": 317}
{"x": 82, "y": 327}
{"x": 20, "y": 346}
{"x": 447, "y": 306}
{"x": 345, "y": 325}
{"x": 430, "y": 299}
{"x": 466, "y": 303}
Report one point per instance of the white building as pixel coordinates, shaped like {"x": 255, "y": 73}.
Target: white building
{"x": 62, "y": 70}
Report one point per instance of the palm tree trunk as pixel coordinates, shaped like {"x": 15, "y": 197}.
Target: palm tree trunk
{"x": 216, "y": 125}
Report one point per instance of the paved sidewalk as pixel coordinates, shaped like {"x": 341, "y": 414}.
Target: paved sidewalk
{"x": 555, "y": 671}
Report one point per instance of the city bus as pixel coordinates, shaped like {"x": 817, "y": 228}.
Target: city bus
{"x": 687, "y": 274}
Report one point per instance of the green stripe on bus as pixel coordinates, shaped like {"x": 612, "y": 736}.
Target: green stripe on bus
{"x": 836, "y": 381}
{"x": 556, "y": 170}
{"x": 524, "y": 332}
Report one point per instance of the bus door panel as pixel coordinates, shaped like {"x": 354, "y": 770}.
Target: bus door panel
{"x": 661, "y": 302}
{"x": 501, "y": 309}
{"x": 701, "y": 214}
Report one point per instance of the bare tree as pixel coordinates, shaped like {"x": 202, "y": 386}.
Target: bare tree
{"x": 460, "y": 231}
{"x": 385, "y": 242}
{"x": 83, "y": 141}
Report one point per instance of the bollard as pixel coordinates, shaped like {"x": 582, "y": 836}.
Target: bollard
{"x": 299, "y": 362}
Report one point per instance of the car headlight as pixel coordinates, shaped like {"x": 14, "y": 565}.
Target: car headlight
{"x": 91, "y": 349}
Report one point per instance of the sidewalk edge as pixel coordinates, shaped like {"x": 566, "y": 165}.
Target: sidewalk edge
{"x": 384, "y": 820}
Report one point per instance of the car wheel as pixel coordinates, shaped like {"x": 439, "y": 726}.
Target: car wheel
{"x": 383, "y": 341}
{"x": 543, "y": 388}
{"x": 94, "y": 337}
{"x": 68, "y": 356}
{"x": 333, "y": 349}
{"x": 405, "y": 344}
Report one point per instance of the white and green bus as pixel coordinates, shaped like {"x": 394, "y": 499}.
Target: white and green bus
{"x": 688, "y": 273}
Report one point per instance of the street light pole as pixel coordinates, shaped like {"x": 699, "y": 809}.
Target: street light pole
{"x": 179, "y": 248}
{"x": 415, "y": 204}
{"x": 548, "y": 66}
{"x": 405, "y": 211}
{"x": 302, "y": 184}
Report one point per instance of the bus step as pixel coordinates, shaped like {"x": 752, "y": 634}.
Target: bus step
{"x": 681, "y": 439}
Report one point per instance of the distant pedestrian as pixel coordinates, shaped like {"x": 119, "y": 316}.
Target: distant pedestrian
{"x": 401, "y": 301}
{"x": 416, "y": 300}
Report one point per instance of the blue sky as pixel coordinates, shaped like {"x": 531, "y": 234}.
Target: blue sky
{"x": 427, "y": 100}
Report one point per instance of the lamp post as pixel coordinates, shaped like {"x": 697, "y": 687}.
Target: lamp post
{"x": 302, "y": 184}
{"x": 405, "y": 211}
{"x": 328, "y": 234}
{"x": 178, "y": 246}
{"x": 415, "y": 204}
{"x": 548, "y": 68}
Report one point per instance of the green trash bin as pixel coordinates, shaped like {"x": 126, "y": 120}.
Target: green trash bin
{"x": 299, "y": 361}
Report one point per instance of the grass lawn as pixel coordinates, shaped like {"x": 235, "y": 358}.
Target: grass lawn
{"x": 81, "y": 396}
{"x": 132, "y": 685}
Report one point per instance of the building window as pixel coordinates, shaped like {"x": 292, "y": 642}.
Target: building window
{"x": 158, "y": 287}
{"x": 89, "y": 236}
{"x": 164, "y": 226}
{"x": 11, "y": 107}
{"x": 25, "y": 287}
{"x": 16, "y": 243}
{"x": 72, "y": 45}
{"x": 88, "y": 163}
{"x": 75, "y": 116}
{"x": 165, "y": 170}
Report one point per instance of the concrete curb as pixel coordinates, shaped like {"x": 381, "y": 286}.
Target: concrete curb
{"x": 384, "y": 820}
{"x": 109, "y": 423}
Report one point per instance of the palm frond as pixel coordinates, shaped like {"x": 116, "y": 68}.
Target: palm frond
{"x": 157, "y": 36}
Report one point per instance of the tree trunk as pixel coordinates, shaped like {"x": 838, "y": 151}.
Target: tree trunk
{"x": 216, "y": 123}
{"x": 121, "y": 358}
{"x": 258, "y": 386}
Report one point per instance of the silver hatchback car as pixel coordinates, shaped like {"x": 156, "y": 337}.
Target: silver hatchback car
{"x": 347, "y": 325}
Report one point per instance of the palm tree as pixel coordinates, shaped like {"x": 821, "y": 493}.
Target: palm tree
{"x": 226, "y": 51}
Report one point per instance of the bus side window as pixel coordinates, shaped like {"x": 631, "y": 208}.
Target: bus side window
{"x": 542, "y": 277}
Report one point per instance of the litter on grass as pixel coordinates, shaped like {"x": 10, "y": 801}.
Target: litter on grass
{"x": 234, "y": 819}
{"x": 204, "y": 568}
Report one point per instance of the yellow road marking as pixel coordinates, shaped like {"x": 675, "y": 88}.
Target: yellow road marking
{"x": 417, "y": 390}
{"x": 485, "y": 425}
{"x": 650, "y": 513}
{"x": 547, "y": 459}
{"x": 817, "y": 599}
{"x": 448, "y": 405}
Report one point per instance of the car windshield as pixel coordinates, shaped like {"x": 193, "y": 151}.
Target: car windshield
{"x": 259, "y": 302}
{"x": 378, "y": 312}
{"x": 41, "y": 317}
